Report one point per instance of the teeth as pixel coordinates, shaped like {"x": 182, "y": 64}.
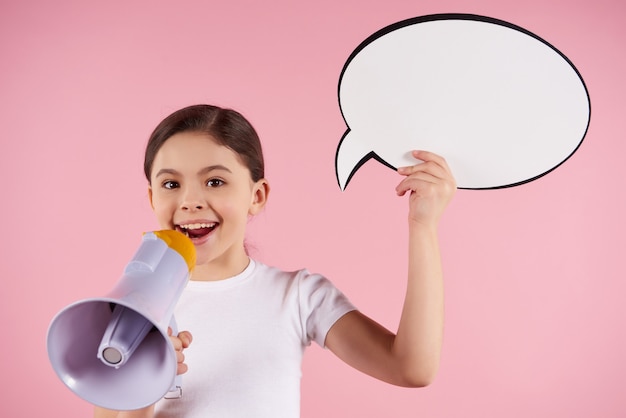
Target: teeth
{"x": 197, "y": 226}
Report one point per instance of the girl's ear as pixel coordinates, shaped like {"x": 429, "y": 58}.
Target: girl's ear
{"x": 150, "y": 197}
{"x": 260, "y": 190}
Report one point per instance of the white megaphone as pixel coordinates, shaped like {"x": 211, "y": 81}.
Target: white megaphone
{"x": 114, "y": 351}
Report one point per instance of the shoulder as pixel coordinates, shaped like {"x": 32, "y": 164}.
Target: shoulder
{"x": 301, "y": 277}
{"x": 276, "y": 273}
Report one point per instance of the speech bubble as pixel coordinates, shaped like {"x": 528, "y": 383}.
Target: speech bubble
{"x": 502, "y": 105}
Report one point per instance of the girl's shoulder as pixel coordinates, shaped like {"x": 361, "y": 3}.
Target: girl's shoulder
{"x": 302, "y": 280}
{"x": 272, "y": 272}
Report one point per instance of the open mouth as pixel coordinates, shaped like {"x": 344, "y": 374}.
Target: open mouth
{"x": 197, "y": 230}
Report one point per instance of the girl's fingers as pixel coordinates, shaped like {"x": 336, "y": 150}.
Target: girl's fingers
{"x": 180, "y": 342}
{"x": 432, "y": 169}
{"x": 430, "y": 156}
{"x": 427, "y": 156}
{"x": 415, "y": 180}
{"x": 431, "y": 163}
{"x": 185, "y": 338}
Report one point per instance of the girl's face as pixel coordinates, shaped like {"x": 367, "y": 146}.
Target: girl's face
{"x": 202, "y": 189}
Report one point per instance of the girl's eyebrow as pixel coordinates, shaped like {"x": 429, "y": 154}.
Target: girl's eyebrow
{"x": 207, "y": 170}
{"x": 163, "y": 171}
{"x": 203, "y": 171}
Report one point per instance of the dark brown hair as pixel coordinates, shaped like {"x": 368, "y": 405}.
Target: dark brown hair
{"x": 228, "y": 127}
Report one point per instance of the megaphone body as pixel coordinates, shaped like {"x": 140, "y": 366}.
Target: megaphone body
{"x": 114, "y": 351}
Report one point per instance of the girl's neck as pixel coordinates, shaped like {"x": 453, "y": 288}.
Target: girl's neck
{"x": 220, "y": 269}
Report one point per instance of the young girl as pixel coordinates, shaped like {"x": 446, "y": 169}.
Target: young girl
{"x": 252, "y": 322}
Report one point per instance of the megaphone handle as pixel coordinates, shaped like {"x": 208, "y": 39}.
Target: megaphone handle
{"x": 176, "y": 390}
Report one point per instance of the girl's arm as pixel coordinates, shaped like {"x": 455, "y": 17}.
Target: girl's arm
{"x": 411, "y": 356}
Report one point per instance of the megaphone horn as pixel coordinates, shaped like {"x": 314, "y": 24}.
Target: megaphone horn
{"x": 114, "y": 351}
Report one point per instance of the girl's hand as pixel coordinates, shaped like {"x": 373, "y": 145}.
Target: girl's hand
{"x": 180, "y": 342}
{"x": 431, "y": 185}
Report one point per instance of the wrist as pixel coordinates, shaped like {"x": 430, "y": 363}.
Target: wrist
{"x": 423, "y": 226}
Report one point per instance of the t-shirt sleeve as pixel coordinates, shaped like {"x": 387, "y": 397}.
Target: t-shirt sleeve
{"x": 321, "y": 305}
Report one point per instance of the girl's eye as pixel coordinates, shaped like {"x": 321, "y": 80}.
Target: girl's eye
{"x": 170, "y": 184}
{"x": 215, "y": 182}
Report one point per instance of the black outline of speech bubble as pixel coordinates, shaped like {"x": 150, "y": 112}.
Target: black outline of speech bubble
{"x": 447, "y": 16}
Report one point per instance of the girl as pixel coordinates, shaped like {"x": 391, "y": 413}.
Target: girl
{"x": 251, "y": 322}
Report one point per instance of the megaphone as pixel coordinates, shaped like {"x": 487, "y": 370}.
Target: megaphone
{"x": 114, "y": 351}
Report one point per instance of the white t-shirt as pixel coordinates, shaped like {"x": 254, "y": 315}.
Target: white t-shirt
{"x": 249, "y": 335}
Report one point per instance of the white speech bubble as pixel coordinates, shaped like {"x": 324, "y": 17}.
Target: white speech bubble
{"x": 502, "y": 105}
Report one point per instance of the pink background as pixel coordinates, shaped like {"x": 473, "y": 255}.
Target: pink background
{"x": 534, "y": 274}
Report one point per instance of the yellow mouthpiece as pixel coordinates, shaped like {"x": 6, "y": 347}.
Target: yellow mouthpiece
{"x": 179, "y": 243}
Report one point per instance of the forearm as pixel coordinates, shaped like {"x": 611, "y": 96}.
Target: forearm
{"x": 417, "y": 345}
{"x": 147, "y": 412}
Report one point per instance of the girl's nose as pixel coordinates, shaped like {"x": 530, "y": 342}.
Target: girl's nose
{"x": 192, "y": 201}
{"x": 190, "y": 206}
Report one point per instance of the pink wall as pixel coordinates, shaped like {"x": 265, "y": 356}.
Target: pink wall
{"x": 534, "y": 274}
